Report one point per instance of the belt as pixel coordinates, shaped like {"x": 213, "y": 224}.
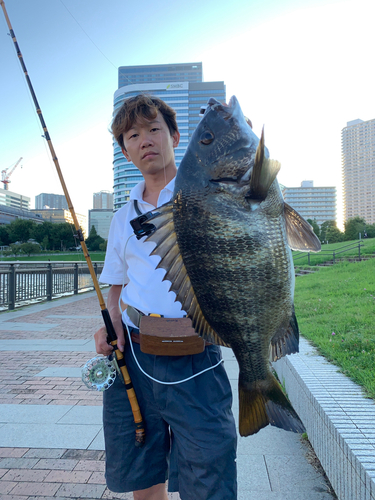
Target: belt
{"x": 134, "y": 315}
{"x": 135, "y": 337}
{"x": 134, "y": 333}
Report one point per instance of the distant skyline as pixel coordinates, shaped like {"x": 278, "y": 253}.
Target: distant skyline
{"x": 303, "y": 69}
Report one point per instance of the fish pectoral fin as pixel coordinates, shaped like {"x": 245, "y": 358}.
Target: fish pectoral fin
{"x": 299, "y": 233}
{"x": 171, "y": 261}
{"x": 263, "y": 174}
{"x": 265, "y": 403}
{"x": 286, "y": 340}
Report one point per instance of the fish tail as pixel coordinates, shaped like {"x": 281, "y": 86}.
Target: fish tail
{"x": 264, "y": 403}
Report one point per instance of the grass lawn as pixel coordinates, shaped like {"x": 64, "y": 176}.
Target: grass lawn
{"x": 367, "y": 247}
{"x": 335, "y": 309}
{"x": 68, "y": 257}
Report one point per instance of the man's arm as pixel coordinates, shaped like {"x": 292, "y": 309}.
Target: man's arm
{"x": 101, "y": 345}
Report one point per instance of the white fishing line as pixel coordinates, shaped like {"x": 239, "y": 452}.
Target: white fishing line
{"x": 132, "y": 348}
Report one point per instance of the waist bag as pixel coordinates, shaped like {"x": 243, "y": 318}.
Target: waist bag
{"x": 169, "y": 336}
{"x": 165, "y": 336}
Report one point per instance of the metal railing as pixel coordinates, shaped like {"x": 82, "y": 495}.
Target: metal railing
{"x": 22, "y": 283}
{"x": 333, "y": 253}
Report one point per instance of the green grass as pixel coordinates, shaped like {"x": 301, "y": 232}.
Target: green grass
{"x": 335, "y": 311}
{"x": 367, "y": 248}
{"x": 68, "y": 257}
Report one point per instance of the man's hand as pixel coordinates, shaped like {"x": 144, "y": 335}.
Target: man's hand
{"x": 101, "y": 344}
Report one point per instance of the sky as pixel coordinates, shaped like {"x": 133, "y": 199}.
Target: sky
{"x": 300, "y": 68}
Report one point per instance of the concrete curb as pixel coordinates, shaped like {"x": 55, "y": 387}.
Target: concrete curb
{"x": 339, "y": 420}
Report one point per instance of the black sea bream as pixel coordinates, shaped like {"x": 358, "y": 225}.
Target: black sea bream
{"x": 225, "y": 241}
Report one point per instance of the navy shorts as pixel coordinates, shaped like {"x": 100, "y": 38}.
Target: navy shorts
{"x": 190, "y": 430}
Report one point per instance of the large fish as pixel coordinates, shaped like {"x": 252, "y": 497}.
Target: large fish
{"x": 225, "y": 242}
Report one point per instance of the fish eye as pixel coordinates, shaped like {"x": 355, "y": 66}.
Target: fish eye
{"x": 207, "y": 137}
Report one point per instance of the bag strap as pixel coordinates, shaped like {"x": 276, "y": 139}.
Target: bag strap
{"x": 136, "y": 207}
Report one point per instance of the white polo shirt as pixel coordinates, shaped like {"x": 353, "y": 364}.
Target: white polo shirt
{"x": 128, "y": 261}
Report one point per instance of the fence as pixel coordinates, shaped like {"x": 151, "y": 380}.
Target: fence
{"x": 21, "y": 283}
{"x": 332, "y": 255}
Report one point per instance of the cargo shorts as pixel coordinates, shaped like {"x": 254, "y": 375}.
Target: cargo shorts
{"x": 190, "y": 430}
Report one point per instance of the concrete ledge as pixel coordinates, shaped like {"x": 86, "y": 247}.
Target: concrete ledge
{"x": 339, "y": 420}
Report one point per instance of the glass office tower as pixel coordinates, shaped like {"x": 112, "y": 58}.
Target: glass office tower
{"x": 180, "y": 86}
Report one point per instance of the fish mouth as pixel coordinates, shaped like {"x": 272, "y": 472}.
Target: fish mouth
{"x": 224, "y": 110}
{"x": 226, "y": 180}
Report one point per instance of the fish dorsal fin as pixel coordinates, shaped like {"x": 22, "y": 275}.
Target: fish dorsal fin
{"x": 263, "y": 173}
{"x": 300, "y": 234}
{"x": 286, "y": 340}
{"x": 171, "y": 261}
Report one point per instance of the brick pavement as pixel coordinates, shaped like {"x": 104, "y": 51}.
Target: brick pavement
{"x": 43, "y": 474}
{"x": 18, "y": 382}
{"x": 26, "y": 474}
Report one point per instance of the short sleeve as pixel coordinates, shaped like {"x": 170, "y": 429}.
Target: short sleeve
{"x": 115, "y": 269}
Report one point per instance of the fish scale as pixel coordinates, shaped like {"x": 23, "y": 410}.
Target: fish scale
{"x": 215, "y": 262}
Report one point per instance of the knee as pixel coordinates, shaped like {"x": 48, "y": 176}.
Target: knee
{"x": 156, "y": 492}
{"x": 141, "y": 494}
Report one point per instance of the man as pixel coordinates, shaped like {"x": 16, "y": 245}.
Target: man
{"x": 190, "y": 430}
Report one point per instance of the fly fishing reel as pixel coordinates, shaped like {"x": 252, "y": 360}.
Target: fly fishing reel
{"x": 99, "y": 373}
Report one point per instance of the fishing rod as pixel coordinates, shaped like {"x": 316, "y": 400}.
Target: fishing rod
{"x": 101, "y": 369}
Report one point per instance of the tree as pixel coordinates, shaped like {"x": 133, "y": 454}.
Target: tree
{"x": 324, "y": 227}
{"x": 61, "y": 236}
{"x": 315, "y": 226}
{"x": 103, "y": 246}
{"x": 21, "y": 230}
{"x": 42, "y": 234}
{"x": 334, "y": 235}
{"x": 29, "y": 248}
{"x": 353, "y": 227}
{"x": 370, "y": 230}
{"x": 94, "y": 241}
{"x": 14, "y": 249}
{"x": 66, "y": 234}
{"x": 4, "y": 236}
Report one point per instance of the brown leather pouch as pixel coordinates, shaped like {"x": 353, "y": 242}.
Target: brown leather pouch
{"x": 169, "y": 337}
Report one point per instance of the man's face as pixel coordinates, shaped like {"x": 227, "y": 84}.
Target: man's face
{"x": 149, "y": 145}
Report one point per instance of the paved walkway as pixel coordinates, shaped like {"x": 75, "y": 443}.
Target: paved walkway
{"x": 51, "y": 440}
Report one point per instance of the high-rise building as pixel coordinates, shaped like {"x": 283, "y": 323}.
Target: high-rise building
{"x": 182, "y": 88}
{"x": 101, "y": 220}
{"x": 103, "y": 200}
{"x": 186, "y": 72}
{"x": 14, "y": 200}
{"x": 358, "y": 169}
{"x": 49, "y": 200}
{"x": 311, "y": 202}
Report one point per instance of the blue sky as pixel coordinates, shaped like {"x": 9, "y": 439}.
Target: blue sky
{"x": 300, "y": 68}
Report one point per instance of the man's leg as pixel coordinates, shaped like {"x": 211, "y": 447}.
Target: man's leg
{"x": 157, "y": 492}
{"x": 204, "y": 438}
{"x": 129, "y": 468}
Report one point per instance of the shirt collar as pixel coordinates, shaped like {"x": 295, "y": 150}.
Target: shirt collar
{"x": 137, "y": 192}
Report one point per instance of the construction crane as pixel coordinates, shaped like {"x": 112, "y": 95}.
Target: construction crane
{"x": 5, "y": 174}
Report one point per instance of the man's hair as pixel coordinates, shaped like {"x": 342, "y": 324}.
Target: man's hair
{"x": 141, "y": 106}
